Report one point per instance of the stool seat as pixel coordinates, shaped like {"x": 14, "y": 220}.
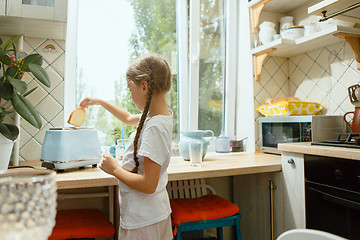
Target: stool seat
{"x": 208, "y": 211}
{"x": 81, "y": 223}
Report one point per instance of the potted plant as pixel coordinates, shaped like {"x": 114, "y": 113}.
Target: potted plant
{"x": 13, "y": 91}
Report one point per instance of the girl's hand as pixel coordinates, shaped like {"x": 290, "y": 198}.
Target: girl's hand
{"x": 109, "y": 164}
{"x": 86, "y": 102}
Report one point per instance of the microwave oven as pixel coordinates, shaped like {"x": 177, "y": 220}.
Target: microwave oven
{"x": 305, "y": 128}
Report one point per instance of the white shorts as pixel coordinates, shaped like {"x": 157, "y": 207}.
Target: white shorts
{"x": 157, "y": 231}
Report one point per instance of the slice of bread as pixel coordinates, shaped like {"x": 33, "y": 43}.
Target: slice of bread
{"x": 77, "y": 117}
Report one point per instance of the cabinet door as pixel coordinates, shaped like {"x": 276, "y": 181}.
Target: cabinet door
{"x": 252, "y": 195}
{"x": 2, "y": 7}
{"x": 293, "y": 190}
{"x": 53, "y": 10}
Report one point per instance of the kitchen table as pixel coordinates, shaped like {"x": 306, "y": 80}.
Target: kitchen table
{"x": 214, "y": 165}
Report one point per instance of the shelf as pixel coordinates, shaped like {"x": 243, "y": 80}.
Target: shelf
{"x": 291, "y": 48}
{"x": 279, "y": 6}
{"x": 275, "y": 6}
{"x": 332, "y": 6}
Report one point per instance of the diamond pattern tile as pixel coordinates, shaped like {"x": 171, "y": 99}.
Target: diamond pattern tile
{"x": 50, "y": 51}
{"x": 31, "y": 150}
{"x": 48, "y": 101}
{"x": 49, "y": 108}
{"x": 55, "y": 78}
{"x": 59, "y": 65}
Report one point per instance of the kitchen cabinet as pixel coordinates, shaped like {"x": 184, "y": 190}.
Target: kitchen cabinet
{"x": 2, "y": 7}
{"x": 293, "y": 192}
{"x": 259, "y": 197}
{"x": 22, "y": 17}
{"x": 273, "y": 10}
{"x": 52, "y": 10}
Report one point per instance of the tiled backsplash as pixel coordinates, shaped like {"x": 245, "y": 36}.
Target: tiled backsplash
{"x": 321, "y": 76}
{"x": 49, "y": 102}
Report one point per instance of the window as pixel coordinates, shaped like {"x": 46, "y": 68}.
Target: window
{"x": 207, "y": 61}
{"x": 191, "y": 35}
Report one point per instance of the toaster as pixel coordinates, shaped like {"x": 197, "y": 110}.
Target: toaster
{"x": 66, "y": 148}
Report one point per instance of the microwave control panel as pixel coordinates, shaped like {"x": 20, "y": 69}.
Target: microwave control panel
{"x": 305, "y": 129}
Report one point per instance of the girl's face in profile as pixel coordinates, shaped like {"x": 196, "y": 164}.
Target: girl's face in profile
{"x": 138, "y": 94}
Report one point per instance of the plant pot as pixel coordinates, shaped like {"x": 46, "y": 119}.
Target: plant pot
{"x": 6, "y": 147}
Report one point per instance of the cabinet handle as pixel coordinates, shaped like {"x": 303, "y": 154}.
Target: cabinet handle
{"x": 290, "y": 160}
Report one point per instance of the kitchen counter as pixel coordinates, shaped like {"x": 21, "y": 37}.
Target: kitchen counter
{"x": 307, "y": 148}
{"x": 214, "y": 165}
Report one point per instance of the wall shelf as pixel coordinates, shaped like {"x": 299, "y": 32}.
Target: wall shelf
{"x": 291, "y": 48}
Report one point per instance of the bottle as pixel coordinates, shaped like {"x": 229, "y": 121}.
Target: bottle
{"x": 222, "y": 143}
{"x": 113, "y": 150}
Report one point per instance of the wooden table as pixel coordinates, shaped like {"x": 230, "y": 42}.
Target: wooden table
{"x": 214, "y": 165}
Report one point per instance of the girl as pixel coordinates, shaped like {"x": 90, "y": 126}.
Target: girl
{"x": 144, "y": 202}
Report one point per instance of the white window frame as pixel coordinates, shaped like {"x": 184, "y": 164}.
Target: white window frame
{"x": 189, "y": 65}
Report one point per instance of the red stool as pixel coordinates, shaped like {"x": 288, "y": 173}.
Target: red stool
{"x": 81, "y": 223}
{"x": 208, "y": 211}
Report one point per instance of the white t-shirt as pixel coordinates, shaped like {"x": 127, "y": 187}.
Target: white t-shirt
{"x": 139, "y": 209}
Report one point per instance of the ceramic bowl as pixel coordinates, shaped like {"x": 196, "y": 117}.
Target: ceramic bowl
{"x": 292, "y": 33}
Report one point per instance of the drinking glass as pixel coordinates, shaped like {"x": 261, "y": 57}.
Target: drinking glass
{"x": 27, "y": 203}
{"x": 196, "y": 152}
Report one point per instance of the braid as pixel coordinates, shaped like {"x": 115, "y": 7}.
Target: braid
{"x": 141, "y": 122}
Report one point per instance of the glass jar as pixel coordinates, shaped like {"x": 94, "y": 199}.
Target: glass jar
{"x": 27, "y": 203}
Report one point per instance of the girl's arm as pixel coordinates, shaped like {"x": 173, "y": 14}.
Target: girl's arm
{"x": 145, "y": 183}
{"x": 122, "y": 115}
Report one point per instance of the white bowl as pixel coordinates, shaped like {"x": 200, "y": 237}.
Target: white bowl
{"x": 292, "y": 33}
{"x": 332, "y": 22}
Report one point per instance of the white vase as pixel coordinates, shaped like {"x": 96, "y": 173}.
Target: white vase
{"x": 6, "y": 147}
{"x": 267, "y": 32}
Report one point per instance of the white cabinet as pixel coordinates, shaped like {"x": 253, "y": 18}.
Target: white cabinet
{"x": 47, "y": 20}
{"x": 53, "y": 10}
{"x": 2, "y": 7}
{"x": 293, "y": 192}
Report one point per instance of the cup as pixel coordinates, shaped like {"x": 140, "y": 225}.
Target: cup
{"x": 195, "y": 150}
{"x": 121, "y": 145}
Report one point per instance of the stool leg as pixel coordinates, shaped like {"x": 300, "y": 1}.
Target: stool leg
{"x": 219, "y": 233}
{"x": 237, "y": 230}
{"x": 178, "y": 234}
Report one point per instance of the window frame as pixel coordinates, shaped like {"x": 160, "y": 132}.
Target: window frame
{"x": 188, "y": 64}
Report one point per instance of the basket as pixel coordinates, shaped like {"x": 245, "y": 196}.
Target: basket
{"x": 286, "y": 108}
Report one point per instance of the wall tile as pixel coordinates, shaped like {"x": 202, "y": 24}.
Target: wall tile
{"x": 48, "y": 101}
{"x": 321, "y": 76}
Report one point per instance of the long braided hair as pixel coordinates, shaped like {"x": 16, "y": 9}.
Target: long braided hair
{"x": 156, "y": 72}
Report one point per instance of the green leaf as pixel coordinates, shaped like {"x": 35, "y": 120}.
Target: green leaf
{"x": 3, "y": 114}
{"x": 4, "y": 58}
{"x": 11, "y": 42}
{"x": 30, "y": 91}
{"x": 9, "y": 131}
{"x": 40, "y": 74}
{"x": 26, "y": 110}
{"x": 19, "y": 85}
{"x": 33, "y": 58}
{"x": 6, "y": 90}
{"x": 11, "y": 71}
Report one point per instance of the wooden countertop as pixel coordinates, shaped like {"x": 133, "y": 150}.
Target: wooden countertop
{"x": 307, "y": 148}
{"x": 220, "y": 165}
{"x": 214, "y": 165}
